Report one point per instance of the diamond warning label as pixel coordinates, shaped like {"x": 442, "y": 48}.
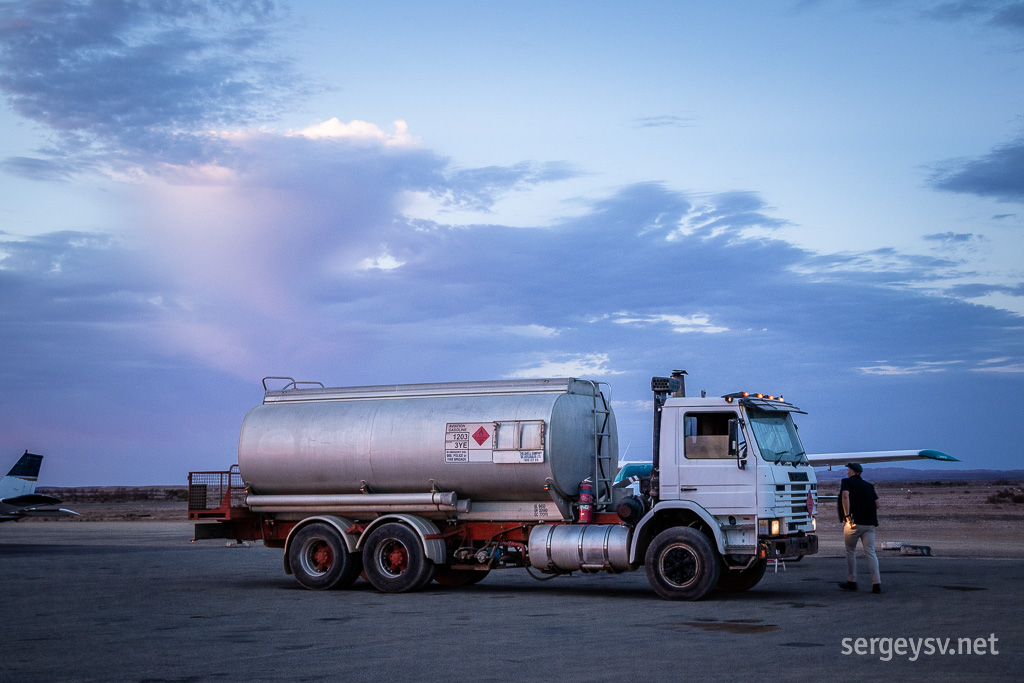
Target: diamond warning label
{"x": 468, "y": 441}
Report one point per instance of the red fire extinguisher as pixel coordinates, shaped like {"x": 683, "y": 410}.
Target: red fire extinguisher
{"x": 586, "y": 502}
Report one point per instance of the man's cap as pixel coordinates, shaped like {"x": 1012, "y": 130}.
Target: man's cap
{"x": 855, "y": 466}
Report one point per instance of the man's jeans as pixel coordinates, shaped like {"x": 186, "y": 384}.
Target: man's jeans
{"x": 866, "y": 534}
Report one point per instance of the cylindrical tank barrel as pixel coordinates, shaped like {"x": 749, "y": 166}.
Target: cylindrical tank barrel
{"x": 487, "y": 441}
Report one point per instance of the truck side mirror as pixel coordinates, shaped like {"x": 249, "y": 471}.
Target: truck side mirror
{"x": 735, "y": 450}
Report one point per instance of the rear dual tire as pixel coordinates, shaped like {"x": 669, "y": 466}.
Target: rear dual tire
{"x": 320, "y": 560}
{"x": 394, "y": 561}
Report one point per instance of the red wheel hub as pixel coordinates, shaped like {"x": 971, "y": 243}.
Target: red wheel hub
{"x": 321, "y": 556}
{"x": 397, "y": 558}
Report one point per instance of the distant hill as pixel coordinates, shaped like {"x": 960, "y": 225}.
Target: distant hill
{"x": 904, "y": 474}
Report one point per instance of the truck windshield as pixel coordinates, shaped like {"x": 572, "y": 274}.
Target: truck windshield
{"x": 777, "y": 438}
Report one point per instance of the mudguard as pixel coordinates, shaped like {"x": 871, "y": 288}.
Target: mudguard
{"x": 433, "y": 547}
{"x": 339, "y": 523}
{"x": 661, "y": 507}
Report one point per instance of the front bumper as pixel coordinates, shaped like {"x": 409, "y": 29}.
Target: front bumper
{"x": 789, "y": 547}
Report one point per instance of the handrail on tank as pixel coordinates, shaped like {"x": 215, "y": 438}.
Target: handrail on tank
{"x": 292, "y": 383}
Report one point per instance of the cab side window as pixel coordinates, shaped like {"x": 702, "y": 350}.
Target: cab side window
{"x": 706, "y": 435}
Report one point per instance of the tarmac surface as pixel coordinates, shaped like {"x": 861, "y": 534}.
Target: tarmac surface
{"x": 136, "y": 601}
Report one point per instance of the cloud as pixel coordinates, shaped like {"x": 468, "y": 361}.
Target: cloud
{"x": 885, "y": 266}
{"x": 360, "y": 130}
{"x": 539, "y": 331}
{"x": 126, "y": 79}
{"x": 666, "y": 121}
{"x": 479, "y": 188}
{"x": 258, "y": 267}
{"x": 1002, "y": 367}
{"x": 949, "y": 238}
{"x": 998, "y": 174}
{"x": 383, "y": 262}
{"x": 589, "y": 365}
{"x": 39, "y": 169}
{"x": 279, "y": 210}
{"x": 889, "y": 369}
{"x": 679, "y": 323}
{"x": 976, "y": 290}
{"x": 1004, "y": 14}
{"x": 737, "y": 211}
{"x": 308, "y": 234}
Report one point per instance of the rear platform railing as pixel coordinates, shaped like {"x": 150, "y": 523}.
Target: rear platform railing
{"x": 216, "y": 495}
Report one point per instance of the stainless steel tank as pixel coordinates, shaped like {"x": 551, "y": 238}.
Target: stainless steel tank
{"x": 487, "y": 441}
{"x": 572, "y": 547}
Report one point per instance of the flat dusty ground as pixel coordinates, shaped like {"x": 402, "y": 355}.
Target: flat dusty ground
{"x": 955, "y": 520}
{"x": 121, "y": 594}
{"x": 136, "y": 601}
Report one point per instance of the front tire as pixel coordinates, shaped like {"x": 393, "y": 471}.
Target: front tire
{"x": 394, "y": 561}
{"x": 681, "y": 564}
{"x": 320, "y": 560}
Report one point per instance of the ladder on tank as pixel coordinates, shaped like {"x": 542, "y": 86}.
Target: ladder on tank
{"x": 604, "y": 469}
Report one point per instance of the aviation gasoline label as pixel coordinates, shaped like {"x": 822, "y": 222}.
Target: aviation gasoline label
{"x": 468, "y": 441}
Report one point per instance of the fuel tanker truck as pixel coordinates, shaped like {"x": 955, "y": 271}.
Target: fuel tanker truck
{"x": 405, "y": 484}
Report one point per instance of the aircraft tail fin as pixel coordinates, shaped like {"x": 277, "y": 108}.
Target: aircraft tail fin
{"x": 21, "y": 480}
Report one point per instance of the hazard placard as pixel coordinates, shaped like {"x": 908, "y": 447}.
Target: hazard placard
{"x": 468, "y": 441}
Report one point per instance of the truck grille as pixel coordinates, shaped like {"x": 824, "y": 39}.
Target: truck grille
{"x": 793, "y": 498}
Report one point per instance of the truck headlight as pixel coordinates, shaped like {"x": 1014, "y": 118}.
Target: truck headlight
{"x": 769, "y": 527}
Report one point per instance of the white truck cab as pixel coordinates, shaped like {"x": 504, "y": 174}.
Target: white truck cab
{"x": 739, "y": 457}
{"x": 732, "y": 468}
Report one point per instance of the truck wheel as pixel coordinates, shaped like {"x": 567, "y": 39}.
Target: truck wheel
{"x": 320, "y": 560}
{"x": 681, "y": 564}
{"x": 736, "y": 580}
{"x": 453, "y": 578}
{"x": 393, "y": 560}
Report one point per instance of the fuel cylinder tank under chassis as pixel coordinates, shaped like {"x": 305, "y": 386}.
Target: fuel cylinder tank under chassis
{"x": 517, "y": 436}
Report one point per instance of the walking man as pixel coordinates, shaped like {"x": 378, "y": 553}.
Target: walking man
{"x": 858, "y": 508}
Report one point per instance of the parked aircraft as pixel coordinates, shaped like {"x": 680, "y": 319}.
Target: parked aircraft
{"x": 18, "y": 497}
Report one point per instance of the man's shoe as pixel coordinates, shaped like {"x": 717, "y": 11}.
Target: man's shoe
{"x": 876, "y": 588}
{"x": 849, "y": 586}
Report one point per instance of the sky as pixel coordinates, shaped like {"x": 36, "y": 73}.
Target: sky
{"x": 821, "y": 199}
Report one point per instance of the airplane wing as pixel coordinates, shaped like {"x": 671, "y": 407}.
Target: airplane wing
{"x": 48, "y": 512}
{"x": 870, "y": 457}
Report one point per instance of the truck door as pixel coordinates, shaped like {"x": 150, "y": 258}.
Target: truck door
{"x": 705, "y": 472}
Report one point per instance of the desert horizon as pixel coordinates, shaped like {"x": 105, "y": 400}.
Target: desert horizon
{"x": 954, "y": 515}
